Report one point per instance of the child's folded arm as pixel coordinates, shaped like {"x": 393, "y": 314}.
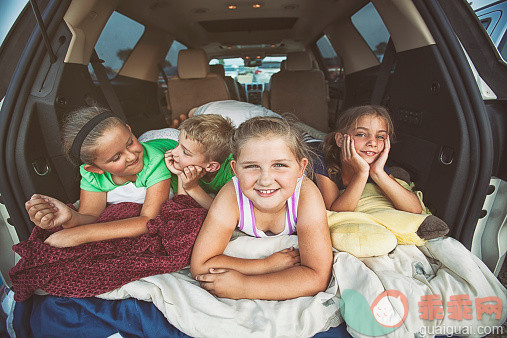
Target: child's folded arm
{"x": 348, "y": 199}
{"x": 401, "y": 198}
{"x": 131, "y": 227}
{"x": 307, "y": 279}
{"x": 156, "y": 195}
{"x": 298, "y": 281}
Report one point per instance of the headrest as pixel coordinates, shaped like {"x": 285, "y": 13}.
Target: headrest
{"x": 192, "y": 64}
{"x": 217, "y": 69}
{"x": 283, "y": 65}
{"x": 299, "y": 61}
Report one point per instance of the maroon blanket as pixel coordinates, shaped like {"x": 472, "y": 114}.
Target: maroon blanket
{"x": 94, "y": 268}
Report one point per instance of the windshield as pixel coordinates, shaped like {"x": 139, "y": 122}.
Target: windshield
{"x": 235, "y": 67}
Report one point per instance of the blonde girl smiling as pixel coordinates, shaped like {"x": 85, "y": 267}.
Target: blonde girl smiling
{"x": 270, "y": 196}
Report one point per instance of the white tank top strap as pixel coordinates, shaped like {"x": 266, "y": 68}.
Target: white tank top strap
{"x": 292, "y": 207}
{"x": 247, "y": 217}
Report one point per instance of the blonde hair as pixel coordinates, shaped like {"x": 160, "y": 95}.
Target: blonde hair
{"x": 75, "y": 121}
{"x": 346, "y": 120}
{"x": 264, "y": 127}
{"x": 213, "y": 132}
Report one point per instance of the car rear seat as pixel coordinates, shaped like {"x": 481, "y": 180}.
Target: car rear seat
{"x": 302, "y": 91}
{"x": 229, "y": 81}
{"x": 194, "y": 85}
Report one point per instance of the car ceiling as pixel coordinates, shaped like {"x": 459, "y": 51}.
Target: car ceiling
{"x": 277, "y": 26}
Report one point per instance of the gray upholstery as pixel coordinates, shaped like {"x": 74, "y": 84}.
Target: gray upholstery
{"x": 194, "y": 85}
{"x": 302, "y": 91}
{"x": 229, "y": 81}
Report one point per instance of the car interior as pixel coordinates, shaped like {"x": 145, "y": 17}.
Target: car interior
{"x": 327, "y": 62}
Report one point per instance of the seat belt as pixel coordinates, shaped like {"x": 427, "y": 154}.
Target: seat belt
{"x": 387, "y": 68}
{"x": 107, "y": 88}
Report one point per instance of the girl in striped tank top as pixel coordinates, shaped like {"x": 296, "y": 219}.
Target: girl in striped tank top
{"x": 270, "y": 196}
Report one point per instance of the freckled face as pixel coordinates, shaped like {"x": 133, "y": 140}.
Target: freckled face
{"x": 119, "y": 152}
{"x": 369, "y": 134}
{"x": 267, "y": 172}
{"x": 188, "y": 152}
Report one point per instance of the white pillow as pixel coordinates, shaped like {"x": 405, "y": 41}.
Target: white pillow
{"x": 237, "y": 111}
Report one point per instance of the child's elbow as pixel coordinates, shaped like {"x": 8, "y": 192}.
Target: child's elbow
{"x": 416, "y": 209}
{"x": 321, "y": 280}
{"x": 197, "y": 267}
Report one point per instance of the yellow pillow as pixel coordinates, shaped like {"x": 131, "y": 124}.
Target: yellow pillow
{"x": 361, "y": 239}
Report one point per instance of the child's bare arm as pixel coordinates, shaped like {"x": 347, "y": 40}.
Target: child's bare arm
{"x": 189, "y": 179}
{"x": 48, "y": 212}
{"x": 307, "y": 279}
{"x": 351, "y": 163}
{"x": 401, "y": 198}
{"x": 349, "y": 198}
{"x": 131, "y": 227}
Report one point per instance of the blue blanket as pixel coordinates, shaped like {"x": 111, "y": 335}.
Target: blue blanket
{"x": 50, "y": 316}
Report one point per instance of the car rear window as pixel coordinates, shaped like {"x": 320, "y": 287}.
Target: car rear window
{"x": 235, "y": 67}
{"x": 332, "y": 63}
{"x": 118, "y": 38}
{"x": 371, "y": 27}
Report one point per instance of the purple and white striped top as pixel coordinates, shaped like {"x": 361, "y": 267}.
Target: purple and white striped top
{"x": 247, "y": 218}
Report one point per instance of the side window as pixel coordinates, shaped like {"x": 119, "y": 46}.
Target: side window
{"x": 371, "y": 27}
{"x": 332, "y": 63}
{"x": 118, "y": 38}
{"x": 170, "y": 65}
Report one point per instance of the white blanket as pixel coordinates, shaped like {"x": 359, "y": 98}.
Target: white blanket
{"x": 441, "y": 267}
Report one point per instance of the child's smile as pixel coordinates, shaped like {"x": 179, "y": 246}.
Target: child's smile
{"x": 120, "y": 153}
{"x": 266, "y": 192}
{"x": 369, "y": 134}
{"x": 267, "y": 172}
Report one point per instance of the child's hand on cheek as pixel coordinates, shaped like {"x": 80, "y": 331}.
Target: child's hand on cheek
{"x": 190, "y": 176}
{"x": 169, "y": 162}
{"x": 351, "y": 158}
{"x": 377, "y": 167}
{"x": 223, "y": 283}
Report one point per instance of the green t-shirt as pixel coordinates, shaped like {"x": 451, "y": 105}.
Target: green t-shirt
{"x": 223, "y": 176}
{"x": 154, "y": 169}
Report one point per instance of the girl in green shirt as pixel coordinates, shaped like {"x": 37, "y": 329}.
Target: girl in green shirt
{"x": 110, "y": 156}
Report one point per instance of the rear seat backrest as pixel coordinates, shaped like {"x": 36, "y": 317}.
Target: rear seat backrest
{"x": 301, "y": 90}
{"x": 194, "y": 85}
{"x": 229, "y": 81}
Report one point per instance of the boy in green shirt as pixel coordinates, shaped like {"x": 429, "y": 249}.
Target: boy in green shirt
{"x": 201, "y": 161}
